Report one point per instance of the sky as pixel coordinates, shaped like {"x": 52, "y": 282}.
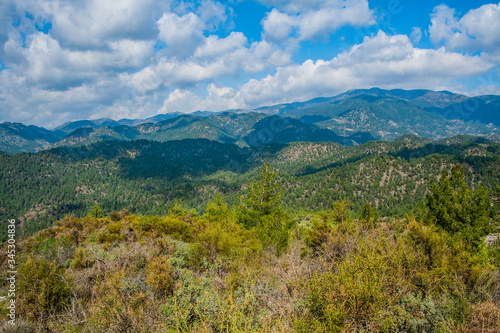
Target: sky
{"x": 65, "y": 60}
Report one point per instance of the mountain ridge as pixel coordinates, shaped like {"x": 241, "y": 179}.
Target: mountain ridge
{"x": 353, "y": 117}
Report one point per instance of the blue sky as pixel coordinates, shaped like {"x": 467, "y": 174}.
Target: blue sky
{"x": 67, "y": 60}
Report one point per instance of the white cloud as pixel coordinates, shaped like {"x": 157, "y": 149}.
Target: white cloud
{"x": 445, "y": 27}
{"x": 328, "y": 20}
{"x": 277, "y": 26}
{"x": 262, "y": 55}
{"x": 180, "y": 101}
{"x": 382, "y": 60}
{"x": 127, "y": 53}
{"x": 220, "y": 98}
{"x": 217, "y": 99}
{"x": 214, "y": 46}
{"x": 212, "y": 13}
{"x": 30, "y": 104}
{"x": 215, "y": 57}
{"x": 133, "y": 58}
{"x": 143, "y": 81}
{"x": 416, "y": 35}
{"x": 483, "y": 25}
{"x": 296, "y": 6}
{"x": 314, "y": 19}
{"x": 45, "y": 62}
{"x": 477, "y": 30}
{"x": 84, "y": 24}
{"x": 183, "y": 34}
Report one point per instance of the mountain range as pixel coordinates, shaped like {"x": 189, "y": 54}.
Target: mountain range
{"x": 351, "y": 118}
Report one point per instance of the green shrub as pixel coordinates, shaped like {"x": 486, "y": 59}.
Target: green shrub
{"x": 43, "y": 289}
{"x": 159, "y": 275}
{"x": 81, "y": 259}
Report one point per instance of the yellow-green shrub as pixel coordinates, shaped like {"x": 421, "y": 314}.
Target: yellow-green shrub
{"x": 227, "y": 239}
{"x": 111, "y": 233}
{"x": 43, "y": 289}
{"x": 159, "y": 275}
{"x": 175, "y": 227}
{"x": 81, "y": 259}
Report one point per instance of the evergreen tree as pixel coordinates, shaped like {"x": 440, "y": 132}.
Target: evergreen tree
{"x": 496, "y": 207}
{"x": 96, "y": 212}
{"x": 369, "y": 215}
{"x": 262, "y": 199}
{"x": 217, "y": 209}
{"x": 261, "y": 210}
{"x": 458, "y": 209}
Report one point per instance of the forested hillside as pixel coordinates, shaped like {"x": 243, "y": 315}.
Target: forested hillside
{"x": 257, "y": 267}
{"x": 16, "y": 137}
{"x": 148, "y": 177}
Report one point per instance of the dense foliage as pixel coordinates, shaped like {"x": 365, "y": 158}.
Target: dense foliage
{"x": 457, "y": 209}
{"x": 219, "y": 272}
{"x": 147, "y": 177}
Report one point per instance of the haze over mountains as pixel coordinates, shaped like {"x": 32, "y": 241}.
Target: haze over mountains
{"x": 350, "y": 118}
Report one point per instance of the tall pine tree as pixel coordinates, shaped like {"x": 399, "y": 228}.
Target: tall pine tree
{"x": 458, "y": 209}
{"x": 261, "y": 209}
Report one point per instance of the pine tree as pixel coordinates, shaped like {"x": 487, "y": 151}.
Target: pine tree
{"x": 262, "y": 199}
{"x": 369, "y": 215}
{"x": 96, "y": 212}
{"x": 458, "y": 209}
{"x": 217, "y": 210}
{"x": 261, "y": 210}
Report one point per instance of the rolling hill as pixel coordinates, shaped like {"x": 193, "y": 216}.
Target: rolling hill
{"x": 146, "y": 177}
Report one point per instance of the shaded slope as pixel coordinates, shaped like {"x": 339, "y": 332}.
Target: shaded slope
{"x": 275, "y": 129}
{"x": 16, "y": 137}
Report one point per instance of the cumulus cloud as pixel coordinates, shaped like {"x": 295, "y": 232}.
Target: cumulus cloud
{"x": 215, "y": 46}
{"x": 278, "y": 26}
{"x": 382, "y": 60}
{"x": 297, "y": 6}
{"x": 477, "y": 30}
{"x": 84, "y": 24}
{"x": 180, "y": 101}
{"x": 61, "y": 60}
{"x": 328, "y": 20}
{"x": 45, "y": 62}
{"x": 63, "y": 55}
{"x": 215, "y": 57}
{"x": 314, "y": 19}
{"x": 182, "y": 34}
{"x": 220, "y": 98}
{"x": 31, "y": 104}
{"x": 213, "y": 14}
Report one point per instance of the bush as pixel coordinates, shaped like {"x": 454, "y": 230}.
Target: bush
{"x": 81, "y": 259}
{"x": 44, "y": 290}
{"x": 159, "y": 276}
{"x": 175, "y": 227}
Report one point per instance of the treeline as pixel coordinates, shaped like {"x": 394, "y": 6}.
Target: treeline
{"x": 147, "y": 177}
{"x": 256, "y": 266}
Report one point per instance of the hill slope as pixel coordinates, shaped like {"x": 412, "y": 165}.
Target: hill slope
{"x": 16, "y": 137}
{"x": 147, "y": 177}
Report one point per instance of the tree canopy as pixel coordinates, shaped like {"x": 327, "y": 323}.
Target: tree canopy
{"x": 458, "y": 209}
